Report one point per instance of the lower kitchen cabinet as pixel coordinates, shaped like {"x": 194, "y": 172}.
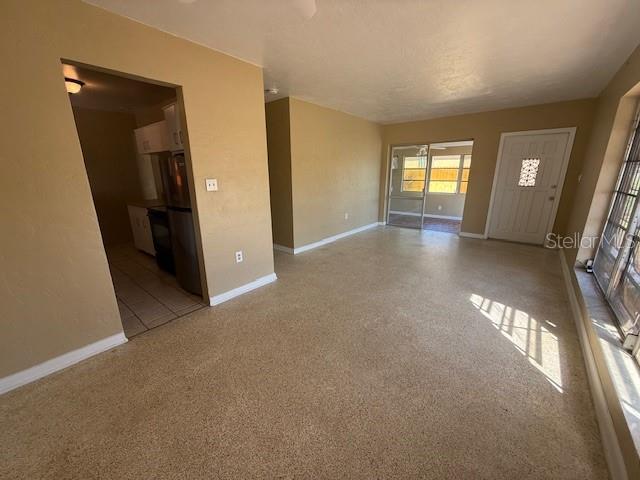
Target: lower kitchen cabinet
{"x": 141, "y": 229}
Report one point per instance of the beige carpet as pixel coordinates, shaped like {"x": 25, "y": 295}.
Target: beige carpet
{"x": 390, "y": 354}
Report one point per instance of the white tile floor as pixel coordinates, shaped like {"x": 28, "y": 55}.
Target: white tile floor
{"x": 147, "y": 296}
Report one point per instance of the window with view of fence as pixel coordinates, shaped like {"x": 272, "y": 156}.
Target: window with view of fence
{"x": 617, "y": 262}
{"x": 449, "y": 173}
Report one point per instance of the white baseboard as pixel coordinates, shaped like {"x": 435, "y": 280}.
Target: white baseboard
{"x": 282, "y": 248}
{"x": 429, "y": 215}
{"x": 260, "y": 282}
{"x": 382, "y": 223}
{"x": 408, "y": 214}
{"x": 610, "y": 445}
{"x": 444, "y": 217}
{"x": 324, "y": 241}
{"x": 472, "y": 235}
{"x": 327, "y": 240}
{"x": 58, "y": 363}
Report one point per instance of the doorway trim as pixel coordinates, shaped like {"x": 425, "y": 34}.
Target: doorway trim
{"x": 563, "y": 172}
{"x": 390, "y": 180}
{"x": 387, "y": 200}
{"x": 179, "y": 100}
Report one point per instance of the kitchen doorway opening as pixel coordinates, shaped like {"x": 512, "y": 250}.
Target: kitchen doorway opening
{"x": 135, "y": 149}
{"x": 428, "y": 185}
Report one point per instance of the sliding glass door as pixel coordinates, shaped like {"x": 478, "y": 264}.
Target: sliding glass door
{"x": 407, "y": 181}
{"x": 617, "y": 262}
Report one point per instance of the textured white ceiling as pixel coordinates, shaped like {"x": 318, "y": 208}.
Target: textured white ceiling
{"x": 396, "y": 60}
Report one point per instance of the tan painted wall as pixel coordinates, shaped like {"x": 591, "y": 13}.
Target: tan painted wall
{"x": 279, "y": 147}
{"x": 485, "y": 129}
{"x": 612, "y": 125}
{"x": 335, "y": 169}
{"x": 56, "y": 292}
{"x": 109, "y": 155}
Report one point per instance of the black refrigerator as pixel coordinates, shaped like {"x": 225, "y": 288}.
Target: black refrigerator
{"x": 183, "y": 237}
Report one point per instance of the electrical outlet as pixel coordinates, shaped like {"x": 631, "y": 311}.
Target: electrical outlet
{"x": 239, "y": 256}
{"x": 212, "y": 184}
{"x": 346, "y": 215}
{"x": 439, "y": 207}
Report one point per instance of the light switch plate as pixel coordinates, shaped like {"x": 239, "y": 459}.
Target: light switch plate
{"x": 212, "y": 184}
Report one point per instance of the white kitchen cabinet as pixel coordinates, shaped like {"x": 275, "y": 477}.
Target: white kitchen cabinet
{"x": 141, "y": 229}
{"x": 152, "y": 138}
{"x": 174, "y": 127}
{"x": 147, "y": 178}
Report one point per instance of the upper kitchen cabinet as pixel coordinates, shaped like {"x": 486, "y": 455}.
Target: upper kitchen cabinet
{"x": 152, "y": 138}
{"x": 174, "y": 127}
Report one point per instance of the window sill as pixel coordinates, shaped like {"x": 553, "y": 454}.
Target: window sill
{"x": 623, "y": 370}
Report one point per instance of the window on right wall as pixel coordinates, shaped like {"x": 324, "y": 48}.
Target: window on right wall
{"x": 617, "y": 262}
{"x": 449, "y": 174}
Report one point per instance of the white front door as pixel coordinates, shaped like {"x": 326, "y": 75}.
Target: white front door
{"x": 528, "y": 184}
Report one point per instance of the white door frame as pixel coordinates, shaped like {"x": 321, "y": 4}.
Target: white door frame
{"x": 563, "y": 172}
{"x": 390, "y": 179}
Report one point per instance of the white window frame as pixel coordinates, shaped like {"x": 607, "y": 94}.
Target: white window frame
{"x": 427, "y": 168}
{"x": 458, "y": 181}
{"x": 625, "y": 250}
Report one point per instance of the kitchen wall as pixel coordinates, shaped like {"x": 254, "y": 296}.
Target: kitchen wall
{"x": 485, "y": 129}
{"x": 56, "y": 293}
{"x": 149, "y": 164}
{"x": 150, "y": 114}
{"x": 615, "y": 110}
{"x": 279, "y": 147}
{"x": 335, "y": 165}
{"x": 109, "y": 155}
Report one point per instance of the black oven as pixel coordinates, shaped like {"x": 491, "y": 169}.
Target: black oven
{"x": 159, "y": 221}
